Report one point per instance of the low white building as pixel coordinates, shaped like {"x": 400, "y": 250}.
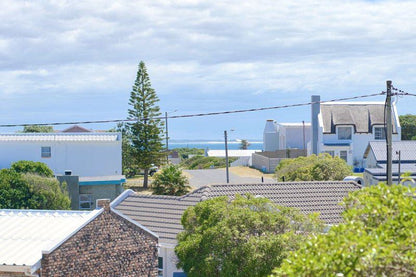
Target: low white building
{"x": 280, "y": 136}
{"x": 84, "y": 154}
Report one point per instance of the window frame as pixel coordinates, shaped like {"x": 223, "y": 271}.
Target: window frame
{"x": 45, "y": 152}
{"x": 160, "y": 266}
{"x": 88, "y": 201}
{"x": 382, "y": 132}
{"x": 346, "y": 155}
{"x": 339, "y": 132}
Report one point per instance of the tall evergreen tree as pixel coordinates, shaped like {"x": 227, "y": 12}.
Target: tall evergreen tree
{"x": 146, "y": 133}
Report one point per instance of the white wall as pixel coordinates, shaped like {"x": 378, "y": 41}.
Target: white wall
{"x": 167, "y": 252}
{"x": 91, "y": 158}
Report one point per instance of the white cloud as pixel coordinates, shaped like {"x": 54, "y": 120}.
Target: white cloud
{"x": 232, "y": 48}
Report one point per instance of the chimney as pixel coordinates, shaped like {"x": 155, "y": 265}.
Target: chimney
{"x": 103, "y": 204}
{"x": 316, "y": 109}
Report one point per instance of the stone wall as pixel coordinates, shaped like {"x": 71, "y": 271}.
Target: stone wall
{"x": 107, "y": 246}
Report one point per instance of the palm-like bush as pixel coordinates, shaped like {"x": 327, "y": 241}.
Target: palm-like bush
{"x": 170, "y": 181}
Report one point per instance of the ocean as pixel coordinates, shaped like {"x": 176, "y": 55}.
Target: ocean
{"x": 213, "y": 145}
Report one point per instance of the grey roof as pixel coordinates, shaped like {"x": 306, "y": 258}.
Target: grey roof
{"x": 407, "y": 150}
{"x": 162, "y": 214}
{"x": 381, "y": 169}
{"x": 363, "y": 116}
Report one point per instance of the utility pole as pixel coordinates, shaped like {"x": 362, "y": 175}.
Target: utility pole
{"x": 167, "y": 137}
{"x": 226, "y": 156}
{"x": 400, "y": 161}
{"x": 389, "y": 135}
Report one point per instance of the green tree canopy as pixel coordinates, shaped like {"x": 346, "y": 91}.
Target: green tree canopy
{"x": 408, "y": 123}
{"x": 31, "y": 191}
{"x": 377, "y": 238}
{"x": 312, "y": 168}
{"x": 37, "y": 129}
{"x": 247, "y": 236}
{"x": 145, "y": 133}
{"x": 32, "y": 167}
{"x": 170, "y": 181}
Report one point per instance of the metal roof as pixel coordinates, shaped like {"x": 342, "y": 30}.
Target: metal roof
{"x": 57, "y": 137}
{"x": 24, "y": 234}
{"x": 407, "y": 150}
{"x": 162, "y": 214}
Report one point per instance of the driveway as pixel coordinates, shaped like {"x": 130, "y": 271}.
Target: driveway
{"x": 202, "y": 177}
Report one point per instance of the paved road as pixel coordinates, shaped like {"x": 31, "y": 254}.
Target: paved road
{"x": 202, "y": 177}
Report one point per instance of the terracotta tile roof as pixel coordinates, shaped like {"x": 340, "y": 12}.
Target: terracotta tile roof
{"x": 162, "y": 214}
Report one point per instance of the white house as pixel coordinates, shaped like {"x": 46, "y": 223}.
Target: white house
{"x": 85, "y": 154}
{"x": 280, "y": 136}
{"x": 344, "y": 129}
{"x": 375, "y": 157}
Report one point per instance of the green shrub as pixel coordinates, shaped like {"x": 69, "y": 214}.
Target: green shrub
{"x": 32, "y": 167}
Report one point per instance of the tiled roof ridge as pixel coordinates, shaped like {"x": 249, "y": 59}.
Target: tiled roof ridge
{"x": 206, "y": 190}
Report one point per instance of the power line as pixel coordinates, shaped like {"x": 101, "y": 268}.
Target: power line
{"x": 193, "y": 115}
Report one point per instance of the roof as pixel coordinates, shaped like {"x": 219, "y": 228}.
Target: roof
{"x": 404, "y": 168}
{"x": 362, "y": 115}
{"x": 162, "y": 214}
{"x": 102, "y": 180}
{"x": 407, "y": 150}
{"x": 76, "y": 129}
{"x": 231, "y": 153}
{"x": 102, "y": 137}
{"x": 24, "y": 234}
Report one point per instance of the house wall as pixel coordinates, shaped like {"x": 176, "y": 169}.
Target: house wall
{"x": 83, "y": 158}
{"x": 359, "y": 143}
{"x": 107, "y": 246}
{"x": 101, "y": 192}
{"x": 371, "y": 161}
{"x": 167, "y": 252}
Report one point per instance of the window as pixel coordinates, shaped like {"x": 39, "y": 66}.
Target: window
{"x": 344, "y": 133}
{"x": 85, "y": 202}
{"x": 160, "y": 267}
{"x": 45, "y": 151}
{"x": 331, "y": 153}
{"x": 379, "y": 133}
{"x": 343, "y": 155}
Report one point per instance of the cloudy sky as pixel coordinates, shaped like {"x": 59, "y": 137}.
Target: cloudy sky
{"x": 75, "y": 60}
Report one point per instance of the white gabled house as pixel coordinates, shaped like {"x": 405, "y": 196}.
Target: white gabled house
{"x": 84, "y": 154}
{"x": 344, "y": 129}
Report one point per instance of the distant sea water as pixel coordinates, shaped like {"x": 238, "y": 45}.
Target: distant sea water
{"x": 213, "y": 145}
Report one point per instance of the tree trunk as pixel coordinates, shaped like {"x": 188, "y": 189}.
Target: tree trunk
{"x": 146, "y": 178}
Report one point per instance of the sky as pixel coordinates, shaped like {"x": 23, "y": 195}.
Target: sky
{"x": 65, "y": 61}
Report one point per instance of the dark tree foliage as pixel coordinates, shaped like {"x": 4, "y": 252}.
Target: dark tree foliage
{"x": 37, "y": 129}
{"x": 408, "y": 123}
{"x": 145, "y": 133}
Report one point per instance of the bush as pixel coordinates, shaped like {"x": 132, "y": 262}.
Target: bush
{"x": 377, "y": 238}
{"x": 201, "y": 162}
{"x": 247, "y": 236}
{"x": 312, "y": 168}
{"x": 170, "y": 181}
{"x": 31, "y": 191}
{"x": 32, "y": 167}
